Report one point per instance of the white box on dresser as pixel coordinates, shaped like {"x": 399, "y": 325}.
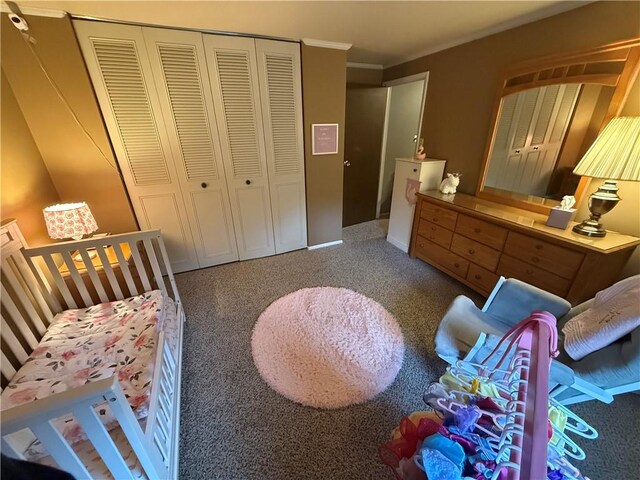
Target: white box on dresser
{"x": 429, "y": 173}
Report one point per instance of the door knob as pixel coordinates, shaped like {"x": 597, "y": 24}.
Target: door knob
{"x": 248, "y": 182}
{"x": 204, "y": 185}
{"x": 347, "y": 163}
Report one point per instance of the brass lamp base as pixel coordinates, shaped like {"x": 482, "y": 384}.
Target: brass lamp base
{"x": 600, "y": 202}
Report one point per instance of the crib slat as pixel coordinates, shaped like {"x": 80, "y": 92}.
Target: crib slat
{"x": 60, "y": 283}
{"x": 137, "y": 260}
{"x": 93, "y": 275}
{"x": 43, "y": 284}
{"x": 15, "y": 315}
{"x": 59, "y": 449}
{"x": 14, "y": 344}
{"x": 167, "y": 264}
{"x": 157, "y": 273}
{"x": 161, "y": 446}
{"x": 122, "y": 411}
{"x": 6, "y": 368}
{"x": 124, "y": 268}
{"x": 18, "y": 289}
{"x": 77, "y": 279}
{"x": 36, "y": 291}
{"x": 102, "y": 441}
{"x": 106, "y": 265}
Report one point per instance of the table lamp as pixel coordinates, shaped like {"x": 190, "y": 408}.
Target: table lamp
{"x": 70, "y": 220}
{"x": 615, "y": 155}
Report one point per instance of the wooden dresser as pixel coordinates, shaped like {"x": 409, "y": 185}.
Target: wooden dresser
{"x": 476, "y": 241}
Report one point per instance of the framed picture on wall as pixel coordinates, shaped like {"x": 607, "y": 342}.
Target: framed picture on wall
{"x": 324, "y": 138}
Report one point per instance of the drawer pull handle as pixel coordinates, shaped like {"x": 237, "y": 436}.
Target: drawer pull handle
{"x": 457, "y": 265}
{"x": 471, "y": 251}
{"x": 433, "y": 229}
{"x": 421, "y": 245}
{"x": 477, "y": 277}
{"x": 476, "y": 230}
{"x": 539, "y": 247}
{"x": 535, "y": 259}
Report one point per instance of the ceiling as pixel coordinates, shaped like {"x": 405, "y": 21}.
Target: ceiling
{"x": 383, "y": 33}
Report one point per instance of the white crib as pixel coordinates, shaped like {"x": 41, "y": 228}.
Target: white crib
{"x": 33, "y": 292}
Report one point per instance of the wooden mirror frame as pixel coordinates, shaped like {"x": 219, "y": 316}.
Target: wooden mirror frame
{"x": 593, "y": 66}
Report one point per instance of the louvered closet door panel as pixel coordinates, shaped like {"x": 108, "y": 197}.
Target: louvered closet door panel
{"x": 121, "y": 74}
{"x": 180, "y": 72}
{"x": 236, "y": 95}
{"x": 281, "y": 98}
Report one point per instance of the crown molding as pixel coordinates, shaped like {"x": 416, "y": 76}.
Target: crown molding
{"x": 487, "y": 32}
{"x": 38, "y": 12}
{"x": 310, "y": 42}
{"x": 368, "y": 66}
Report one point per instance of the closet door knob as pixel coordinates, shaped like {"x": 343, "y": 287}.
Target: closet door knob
{"x": 204, "y": 185}
{"x": 471, "y": 251}
{"x": 248, "y": 182}
{"x": 415, "y": 170}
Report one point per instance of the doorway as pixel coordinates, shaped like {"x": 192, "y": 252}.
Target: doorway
{"x": 364, "y": 128}
{"x": 405, "y": 107}
{"x": 381, "y": 124}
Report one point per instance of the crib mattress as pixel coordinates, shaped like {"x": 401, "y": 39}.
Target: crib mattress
{"x": 89, "y": 344}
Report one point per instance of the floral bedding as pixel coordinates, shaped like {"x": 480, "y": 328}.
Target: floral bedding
{"x": 84, "y": 345}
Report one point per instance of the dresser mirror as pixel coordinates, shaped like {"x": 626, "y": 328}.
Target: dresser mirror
{"x": 546, "y": 116}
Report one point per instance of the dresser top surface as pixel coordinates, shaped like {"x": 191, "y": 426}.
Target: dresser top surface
{"x": 533, "y": 222}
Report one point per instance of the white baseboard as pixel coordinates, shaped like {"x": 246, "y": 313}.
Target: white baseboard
{"x": 397, "y": 243}
{"x": 322, "y": 245}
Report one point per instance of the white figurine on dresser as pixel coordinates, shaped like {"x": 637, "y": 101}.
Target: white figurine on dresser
{"x": 450, "y": 184}
{"x": 411, "y": 177}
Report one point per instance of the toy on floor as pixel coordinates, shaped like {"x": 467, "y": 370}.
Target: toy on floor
{"x": 480, "y": 425}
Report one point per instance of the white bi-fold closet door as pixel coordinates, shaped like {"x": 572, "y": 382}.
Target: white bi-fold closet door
{"x": 208, "y": 132}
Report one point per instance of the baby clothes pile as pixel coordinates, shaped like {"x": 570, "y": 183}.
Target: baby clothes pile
{"x": 462, "y": 435}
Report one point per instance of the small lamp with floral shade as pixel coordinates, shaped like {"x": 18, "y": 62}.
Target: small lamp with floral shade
{"x": 70, "y": 220}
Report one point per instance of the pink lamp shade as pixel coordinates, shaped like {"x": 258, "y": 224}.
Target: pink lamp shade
{"x": 69, "y": 220}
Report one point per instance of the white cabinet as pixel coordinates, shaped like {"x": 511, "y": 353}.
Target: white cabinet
{"x": 208, "y": 133}
{"x": 429, "y": 173}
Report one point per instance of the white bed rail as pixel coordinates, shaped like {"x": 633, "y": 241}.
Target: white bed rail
{"x": 80, "y": 402}
{"x": 129, "y": 264}
{"x": 35, "y": 287}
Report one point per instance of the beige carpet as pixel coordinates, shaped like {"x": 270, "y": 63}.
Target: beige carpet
{"x": 234, "y": 427}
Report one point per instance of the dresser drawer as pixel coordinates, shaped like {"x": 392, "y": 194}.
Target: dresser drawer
{"x": 481, "y": 231}
{"x": 441, "y": 216}
{"x": 558, "y": 260}
{"x": 429, "y": 251}
{"x": 481, "y": 278}
{"x": 435, "y": 233}
{"x": 476, "y": 252}
{"x": 513, "y": 268}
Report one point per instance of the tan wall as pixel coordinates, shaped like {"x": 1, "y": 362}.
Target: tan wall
{"x": 364, "y": 76}
{"x": 625, "y": 217}
{"x": 463, "y": 79}
{"x": 323, "y": 98}
{"x": 26, "y": 185}
{"x": 77, "y": 169}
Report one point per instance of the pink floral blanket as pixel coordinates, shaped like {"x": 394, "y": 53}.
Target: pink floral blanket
{"x": 84, "y": 345}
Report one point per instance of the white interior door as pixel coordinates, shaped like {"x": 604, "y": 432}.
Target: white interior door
{"x": 281, "y": 98}
{"x": 122, "y": 77}
{"x": 236, "y": 94}
{"x": 182, "y": 80}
